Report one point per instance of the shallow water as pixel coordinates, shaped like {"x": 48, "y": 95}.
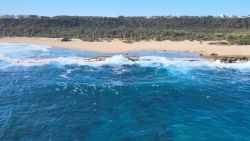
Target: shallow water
{"x": 55, "y": 94}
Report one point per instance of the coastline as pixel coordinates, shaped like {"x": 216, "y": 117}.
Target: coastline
{"x": 116, "y": 46}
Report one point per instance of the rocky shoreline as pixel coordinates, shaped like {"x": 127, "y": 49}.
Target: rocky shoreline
{"x": 211, "y": 57}
{"x": 129, "y": 57}
{"x": 226, "y": 59}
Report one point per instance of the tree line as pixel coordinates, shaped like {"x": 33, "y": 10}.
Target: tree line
{"x": 206, "y": 28}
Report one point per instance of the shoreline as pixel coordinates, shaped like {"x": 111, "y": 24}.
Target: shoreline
{"x": 117, "y": 46}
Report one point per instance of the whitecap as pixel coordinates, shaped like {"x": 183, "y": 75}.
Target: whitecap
{"x": 118, "y": 60}
{"x": 13, "y": 50}
{"x": 24, "y": 55}
{"x": 17, "y": 47}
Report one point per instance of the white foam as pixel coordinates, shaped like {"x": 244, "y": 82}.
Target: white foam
{"x": 26, "y": 46}
{"x": 16, "y": 51}
{"x": 17, "y": 48}
{"x": 117, "y": 60}
{"x": 9, "y": 58}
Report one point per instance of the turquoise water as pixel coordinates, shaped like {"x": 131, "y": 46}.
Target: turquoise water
{"x": 56, "y": 94}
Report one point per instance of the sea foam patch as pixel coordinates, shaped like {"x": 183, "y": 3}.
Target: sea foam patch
{"x": 24, "y": 55}
{"x": 17, "y": 47}
{"x": 22, "y": 50}
{"x": 121, "y": 60}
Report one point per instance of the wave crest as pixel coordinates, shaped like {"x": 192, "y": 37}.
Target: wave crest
{"x": 146, "y": 61}
{"x": 24, "y": 55}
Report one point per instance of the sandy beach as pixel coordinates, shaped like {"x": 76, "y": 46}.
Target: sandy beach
{"x": 116, "y": 46}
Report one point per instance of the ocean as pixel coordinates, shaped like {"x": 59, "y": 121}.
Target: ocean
{"x": 58, "y": 94}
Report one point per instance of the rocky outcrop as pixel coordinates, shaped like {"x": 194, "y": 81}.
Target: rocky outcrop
{"x": 211, "y": 57}
{"x": 228, "y": 59}
{"x": 233, "y": 59}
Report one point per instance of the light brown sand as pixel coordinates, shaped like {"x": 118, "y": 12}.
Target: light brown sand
{"x": 116, "y": 46}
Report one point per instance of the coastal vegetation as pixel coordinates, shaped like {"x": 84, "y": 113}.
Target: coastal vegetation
{"x": 234, "y": 30}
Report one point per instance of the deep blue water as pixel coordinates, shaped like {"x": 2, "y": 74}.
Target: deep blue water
{"x": 54, "y": 94}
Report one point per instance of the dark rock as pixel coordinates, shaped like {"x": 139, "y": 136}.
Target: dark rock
{"x": 234, "y": 59}
{"x": 133, "y": 58}
{"x": 213, "y": 54}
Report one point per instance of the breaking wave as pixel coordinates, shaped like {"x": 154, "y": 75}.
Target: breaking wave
{"x": 164, "y": 95}
{"x": 23, "y": 55}
{"x": 146, "y": 61}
